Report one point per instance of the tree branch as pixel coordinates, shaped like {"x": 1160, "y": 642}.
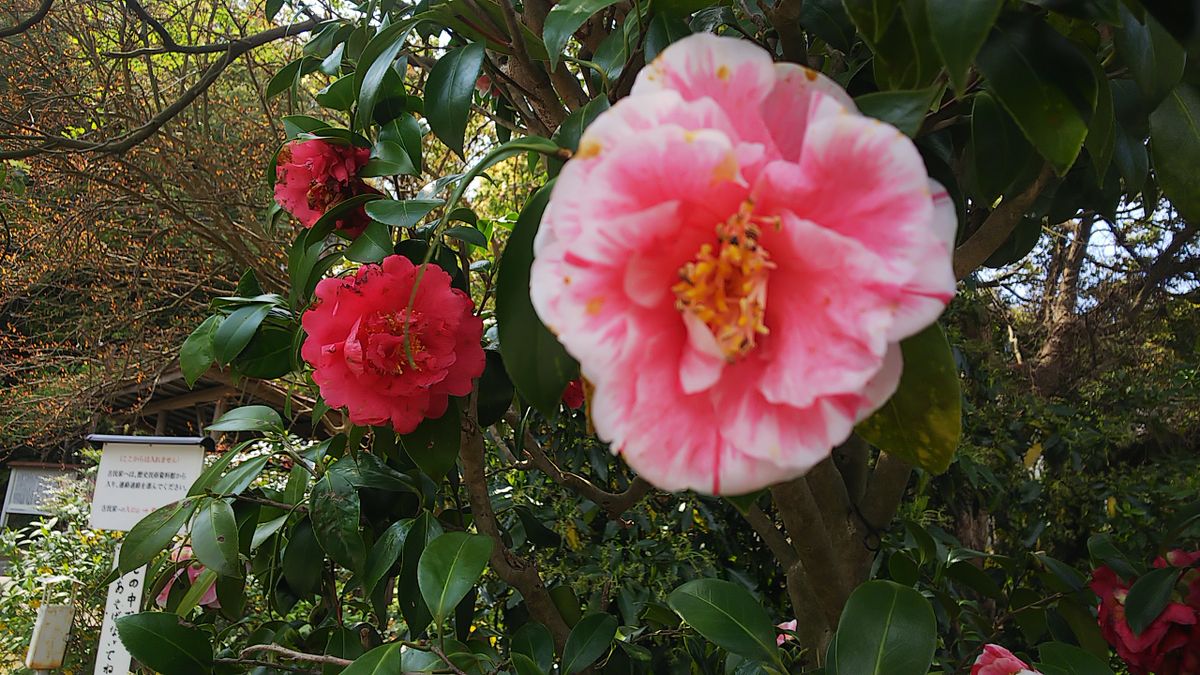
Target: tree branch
{"x": 294, "y": 655}
{"x": 123, "y": 143}
{"x": 33, "y": 19}
{"x": 999, "y": 224}
{"x": 803, "y": 522}
{"x": 772, "y": 537}
{"x": 516, "y": 571}
{"x": 886, "y": 489}
{"x": 614, "y": 503}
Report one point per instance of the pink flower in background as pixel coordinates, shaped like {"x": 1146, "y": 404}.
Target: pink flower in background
{"x": 193, "y": 569}
{"x": 732, "y": 255}
{"x": 313, "y": 175}
{"x": 996, "y": 660}
{"x": 387, "y": 363}
{"x": 784, "y": 637}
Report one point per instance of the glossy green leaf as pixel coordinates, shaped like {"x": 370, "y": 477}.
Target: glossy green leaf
{"x": 382, "y": 660}
{"x": 536, "y": 362}
{"x": 999, "y": 152}
{"x": 588, "y": 641}
{"x": 240, "y": 477}
{"x": 374, "y": 472}
{"x": 286, "y": 78}
{"x": 303, "y": 559}
{"x": 664, "y": 29}
{"x": 401, "y": 213}
{"x": 571, "y": 130}
{"x": 1175, "y": 145}
{"x": 342, "y": 643}
{"x": 534, "y": 641}
{"x": 1063, "y": 659}
{"x": 1104, "y": 552}
{"x": 214, "y": 471}
{"x": 828, "y": 20}
{"x": 373, "y": 68}
{"x": 904, "y": 110}
{"x": 425, "y": 529}
{"x": 871, "y": 17}
{"x": 248, "y": 418}
{"x": 1066, "y": 577}
{"x": 563, "y": 20}
{"x": 335, "y": 512}
{"x": 191, "y": 599}
{"x": 405, "y": 132}
{"x": 1045, "y": 82}
{"x": 1148, "y": 597}
{"x": 196, "y": 355}
{"x": 372, "y": 246}
{"x": 958, "y": 29}
{"x": 1101, "y": 138}
{"x": 339, "y": 95}
{"x": 434, "y": 444}
{"x": 885, "y": 629}
{"x": 449, "y": 567}
{"x": 384, "y": 554}
{"x": 215, "y": 538}
{"x": 153, "y": 534}
{"x": 448, "y": 94}
{"x": 1084, "y": 627}
{"x": 387, "y": 159}
{"x": 468, "y": 234}
{"x": 269, "y": 354}
{"x": 728, "y": 616}
{"x": 922, "y": 422}
{"x": 235, "y": 332}
{"x": 1155, "y": 59}
{"x": 525, "y": 665}
{"x": 161, "y": 641}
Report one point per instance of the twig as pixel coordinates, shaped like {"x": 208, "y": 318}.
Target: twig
{"x": 294, "y": 655}
{"x": 33, "y": 19}
{"x": 615, "y": 504}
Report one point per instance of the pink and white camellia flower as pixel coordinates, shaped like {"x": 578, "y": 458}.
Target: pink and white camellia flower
{"x": 732, "y": 255}
{"x": 386, "y": 360}
{"x": 996, "y": 660}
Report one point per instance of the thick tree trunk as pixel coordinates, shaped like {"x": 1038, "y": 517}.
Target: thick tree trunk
{"x": 1052, "y": 366}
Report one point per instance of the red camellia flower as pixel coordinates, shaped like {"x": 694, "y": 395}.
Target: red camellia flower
{"x": 573, "y": 395}
{"x": 1170, "y": 645}
{"x": 312, "y": 176}
{"x": 387, "y": 355}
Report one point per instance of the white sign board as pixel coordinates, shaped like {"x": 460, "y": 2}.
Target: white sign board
{"x": 135, "y": 479}
{"x": 124, "y": 598}
{"x": 28, "y": 486}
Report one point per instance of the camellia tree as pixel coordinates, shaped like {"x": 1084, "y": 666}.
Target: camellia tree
{"x": 740, "y": 223}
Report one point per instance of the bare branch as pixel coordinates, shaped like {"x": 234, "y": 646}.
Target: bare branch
{"x": 123, "y": 143}
{"x": 999, "y": 225}
{"x": 613, "y": 503}
{"x": 33, "y": 19}
{"x": 520, "y": 573}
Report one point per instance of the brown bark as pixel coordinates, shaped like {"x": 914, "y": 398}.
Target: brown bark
{"x": 1052, "y": 369}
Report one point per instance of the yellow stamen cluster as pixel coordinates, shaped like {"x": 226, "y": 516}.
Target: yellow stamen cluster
{"x": 725, "y": 286}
